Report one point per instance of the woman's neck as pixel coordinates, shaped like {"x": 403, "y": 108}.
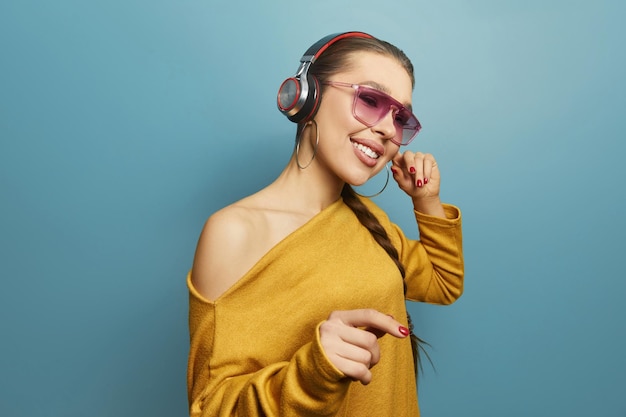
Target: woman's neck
{"x": 310, "y": 189}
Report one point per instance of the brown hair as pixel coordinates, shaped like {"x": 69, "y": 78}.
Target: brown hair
{"x": 335, "y": 59}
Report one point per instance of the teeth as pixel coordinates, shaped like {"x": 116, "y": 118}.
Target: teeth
{"x": 367, "y": 151}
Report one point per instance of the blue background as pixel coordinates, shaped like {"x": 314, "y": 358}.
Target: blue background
{"x": 124, "y": 124}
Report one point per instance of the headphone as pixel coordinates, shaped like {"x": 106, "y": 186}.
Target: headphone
{"x": 298, "y": 96}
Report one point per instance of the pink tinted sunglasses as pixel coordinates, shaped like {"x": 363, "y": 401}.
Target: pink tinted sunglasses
{"x": 370, "y": 106}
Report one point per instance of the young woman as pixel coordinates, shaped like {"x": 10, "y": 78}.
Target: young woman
{"x": 297, "y": 292}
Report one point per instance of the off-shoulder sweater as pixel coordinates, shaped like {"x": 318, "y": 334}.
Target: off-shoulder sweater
{"x": 255, "y": 351}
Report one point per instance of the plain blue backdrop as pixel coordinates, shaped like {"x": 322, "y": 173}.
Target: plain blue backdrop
{"x": 124, "y": 124}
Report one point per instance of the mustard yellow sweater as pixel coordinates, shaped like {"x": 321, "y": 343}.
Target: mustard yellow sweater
{"x": 255, "y": 351}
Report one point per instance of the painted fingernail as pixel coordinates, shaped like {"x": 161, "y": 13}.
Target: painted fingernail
{"x": 412, "y": 170}
{"x": 425, "y": 180}
{"x": 419, "y": 183}
{"x": 393, "y": 171}
{"x": 403, "y": 330}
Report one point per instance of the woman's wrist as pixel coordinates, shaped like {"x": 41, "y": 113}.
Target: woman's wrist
{"x": 429, "y": 205}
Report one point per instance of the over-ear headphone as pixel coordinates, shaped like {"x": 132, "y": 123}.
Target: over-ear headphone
{"x": 298, "y": 96}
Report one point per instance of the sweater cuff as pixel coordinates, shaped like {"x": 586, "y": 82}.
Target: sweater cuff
{"x": 452, "y": 219}
{"x": 322, "y": 364}
{"x": 316, "y": 386}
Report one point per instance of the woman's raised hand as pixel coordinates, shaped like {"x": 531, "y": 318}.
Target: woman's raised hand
{"x": 350, "y": 340}
{"x": 417, "y": 174}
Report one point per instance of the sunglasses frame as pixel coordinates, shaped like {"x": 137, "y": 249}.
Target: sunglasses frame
{"x": 394, "y": 105}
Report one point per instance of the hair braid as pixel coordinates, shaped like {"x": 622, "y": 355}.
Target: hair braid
{"x": 378, "y": 232}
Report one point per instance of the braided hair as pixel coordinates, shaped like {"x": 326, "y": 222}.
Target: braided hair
{"x": 378, "y": 232}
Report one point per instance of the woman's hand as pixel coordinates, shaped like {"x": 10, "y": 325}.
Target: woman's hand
{"x": 350, "y": 340}
{"x": 417, "y": 174}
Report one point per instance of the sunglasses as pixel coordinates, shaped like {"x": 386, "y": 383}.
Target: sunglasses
{"x": 370, "y": 106}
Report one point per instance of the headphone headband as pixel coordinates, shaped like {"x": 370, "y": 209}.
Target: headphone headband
{"x": 298, "y": 96}
{"x": 320, "y": 46}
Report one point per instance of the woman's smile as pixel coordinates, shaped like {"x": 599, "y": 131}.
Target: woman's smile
{"x": 367, "y": 151}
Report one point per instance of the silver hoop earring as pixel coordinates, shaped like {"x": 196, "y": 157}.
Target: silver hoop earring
{"x": 381, "y": 191}
{"x": 317, "y": 142}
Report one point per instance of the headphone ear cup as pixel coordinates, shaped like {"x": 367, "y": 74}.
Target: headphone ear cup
{"x": 289, "y": 96}
{"x": 311, "y": 101}
{"x": 298, "y": 99}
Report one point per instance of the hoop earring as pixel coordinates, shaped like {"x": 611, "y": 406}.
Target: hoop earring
{"x": 381, "y": 191}
{"x": 317, "y": 142}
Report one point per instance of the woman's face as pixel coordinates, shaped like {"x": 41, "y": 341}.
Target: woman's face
{"x": 349, "y": 148}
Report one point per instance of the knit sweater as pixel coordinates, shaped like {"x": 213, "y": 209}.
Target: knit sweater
{"x": 255, "y": 351}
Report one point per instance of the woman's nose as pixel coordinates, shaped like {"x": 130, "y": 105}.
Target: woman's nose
{"x": 386, "y": 126}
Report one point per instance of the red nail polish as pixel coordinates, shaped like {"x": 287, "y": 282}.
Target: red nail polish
{"x": 425, "y": 180}
{"x": 419, "y": 183}
{"x": 393, "y": 171}
{"x": 403, "y": 330}
{"x": 412, "y": 170}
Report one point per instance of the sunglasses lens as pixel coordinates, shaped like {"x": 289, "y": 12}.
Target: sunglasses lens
{"x": 371, "y": 106}
{"x": 408, "y": 127}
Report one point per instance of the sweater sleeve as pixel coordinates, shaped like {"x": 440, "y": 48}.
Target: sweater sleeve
{"x": 307, "y": 384}
{"x": 433, "y": 264}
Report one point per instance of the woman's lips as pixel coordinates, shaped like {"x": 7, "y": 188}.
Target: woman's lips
{"x": 367, "y": 151}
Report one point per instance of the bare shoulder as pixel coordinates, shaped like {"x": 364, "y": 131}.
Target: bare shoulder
{"x": 236, "y": 237}
{"x": 226, "y": 249}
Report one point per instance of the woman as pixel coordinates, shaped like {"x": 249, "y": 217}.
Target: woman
{"x": 297, "y": 292}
